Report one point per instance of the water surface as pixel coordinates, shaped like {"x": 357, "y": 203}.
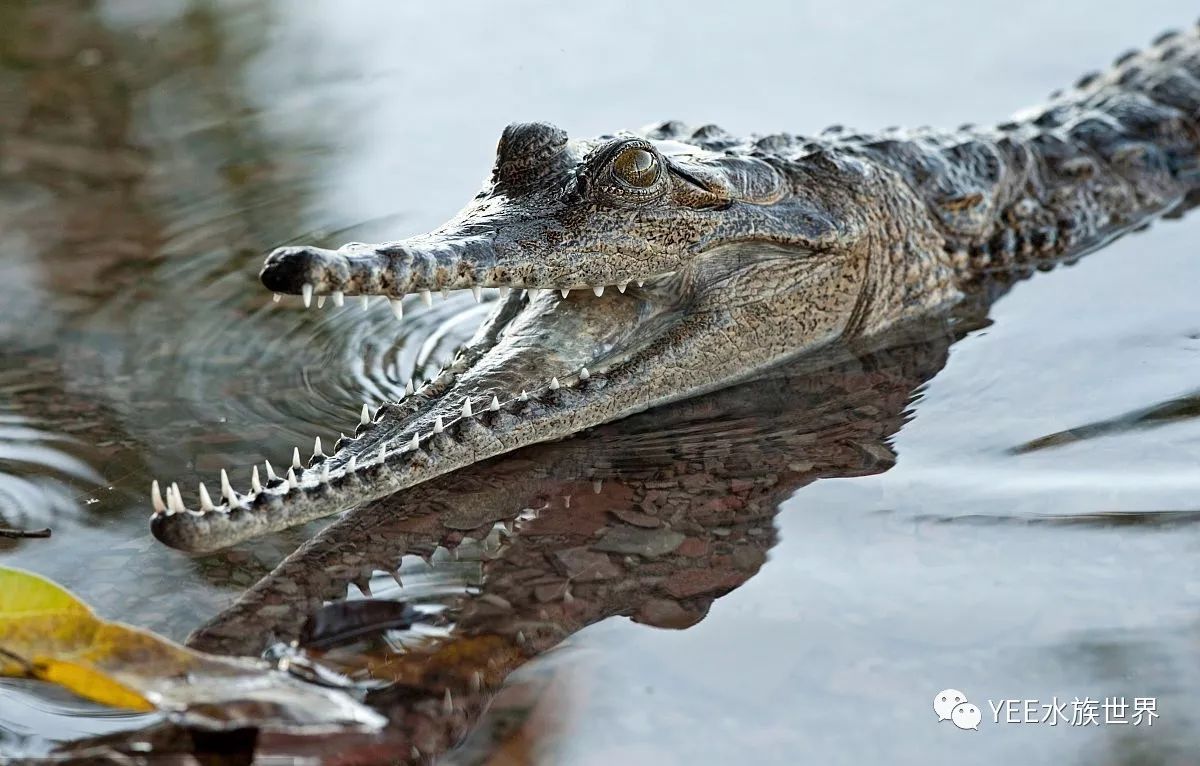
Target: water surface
{"x": 1035, "y": 536}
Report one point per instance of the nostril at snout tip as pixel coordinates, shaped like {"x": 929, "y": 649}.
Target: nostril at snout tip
{"x": 287, "y": 269}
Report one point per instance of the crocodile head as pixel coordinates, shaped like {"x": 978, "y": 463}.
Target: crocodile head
{"x": 576, "y": 215}
{"x": 633, "y": 270}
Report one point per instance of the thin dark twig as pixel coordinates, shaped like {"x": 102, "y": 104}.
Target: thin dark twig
{"x": 19, "y": 534}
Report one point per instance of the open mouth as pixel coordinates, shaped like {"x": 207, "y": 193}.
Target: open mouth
{"x": 544, "y": 354}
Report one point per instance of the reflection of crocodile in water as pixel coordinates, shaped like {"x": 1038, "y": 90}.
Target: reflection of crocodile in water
{"x": 653, "y": 267}
{"x": 683, "y": 514}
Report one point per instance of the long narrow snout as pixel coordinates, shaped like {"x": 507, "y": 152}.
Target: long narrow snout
{"x": 392, "y": 269}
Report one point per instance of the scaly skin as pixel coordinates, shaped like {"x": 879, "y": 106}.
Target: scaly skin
{"x": 751, "y": 252}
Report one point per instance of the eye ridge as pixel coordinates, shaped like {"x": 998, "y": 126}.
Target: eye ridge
{"x": 636, "y": 167}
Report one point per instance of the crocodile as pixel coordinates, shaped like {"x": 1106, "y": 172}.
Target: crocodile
{"x": 641, "y": 268}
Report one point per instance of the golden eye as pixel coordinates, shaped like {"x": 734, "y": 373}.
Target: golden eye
{"x": 636, "y": 166}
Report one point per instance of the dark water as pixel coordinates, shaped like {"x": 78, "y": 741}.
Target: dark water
{"x": 1035, "y": 536}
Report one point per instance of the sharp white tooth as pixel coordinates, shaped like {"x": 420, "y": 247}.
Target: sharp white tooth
{"x": 565, "y": 291}
{"x": 415, "y": 443}
{"x": 448, "y": 703}
{"x": 437, "y": 425}
{"x": 534, "y": 294}
{"x": 292, "y": 481}
{"x": 206, "y": 503}
{"x": 255, "y": 483}
{"x": 339, "y": 298}
{"x": 325, "y": 471}
{"x": 408, "y": 388}
{"x": 427, "y": 298}
{"x": 365, "y": 416}
{"x": 352, "y": 465}
{"x": 477, "y": 291}
{"x": 524, "y": 396}
{"x": 466, "y": 410}
{"x": 317, "y": 447}
{"x": 495, "y": 405}
{"x": 306, "y": 291}
{"x": 270, "y": 471}
{"x": 276, "y": 298}
{"x": 598, "y": 290}
{"x": 364, "y": 301}
{"x": 504, "y": 291}
{"x": 553, "y": 384}
{"x": 641, "y": 282}
{"x": 174, "y": 499}
{"x": 621, "y": 287}
{"x": 383, "y": 452}
{"x": 397, "y": 307}
{"x": 296, "y": 459}
{"x": 584, "y": 374}
{"x": 226, "y": 488}
{"x": 597, "y": 485}
{"x": 444, "y": 293}
{"x": 320, "y": 301}
{"x": 156, "y": 498}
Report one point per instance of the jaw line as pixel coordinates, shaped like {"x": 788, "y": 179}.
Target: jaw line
{"x": 523, "y": 374}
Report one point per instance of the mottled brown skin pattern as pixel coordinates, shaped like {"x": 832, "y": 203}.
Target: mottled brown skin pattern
{"x": 752, "y": 252}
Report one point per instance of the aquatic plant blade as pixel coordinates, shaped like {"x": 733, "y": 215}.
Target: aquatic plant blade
{"x": 47, "y": 633}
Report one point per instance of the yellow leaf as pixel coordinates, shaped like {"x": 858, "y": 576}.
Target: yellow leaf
{"x": 22, "y": 592}
{"x": 47, "y": 633}
{"x": 91, "y": 683}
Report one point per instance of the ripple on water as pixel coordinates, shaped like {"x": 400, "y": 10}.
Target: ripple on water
{"x": 40, "y": 474}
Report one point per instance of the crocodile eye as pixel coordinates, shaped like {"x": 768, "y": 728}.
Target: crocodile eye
{"x": 636, "y": 166}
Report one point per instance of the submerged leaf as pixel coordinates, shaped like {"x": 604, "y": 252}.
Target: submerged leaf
{"x": 48, "y": 634}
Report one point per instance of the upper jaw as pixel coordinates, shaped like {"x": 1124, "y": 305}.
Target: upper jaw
{"x": 430, "y": 263}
